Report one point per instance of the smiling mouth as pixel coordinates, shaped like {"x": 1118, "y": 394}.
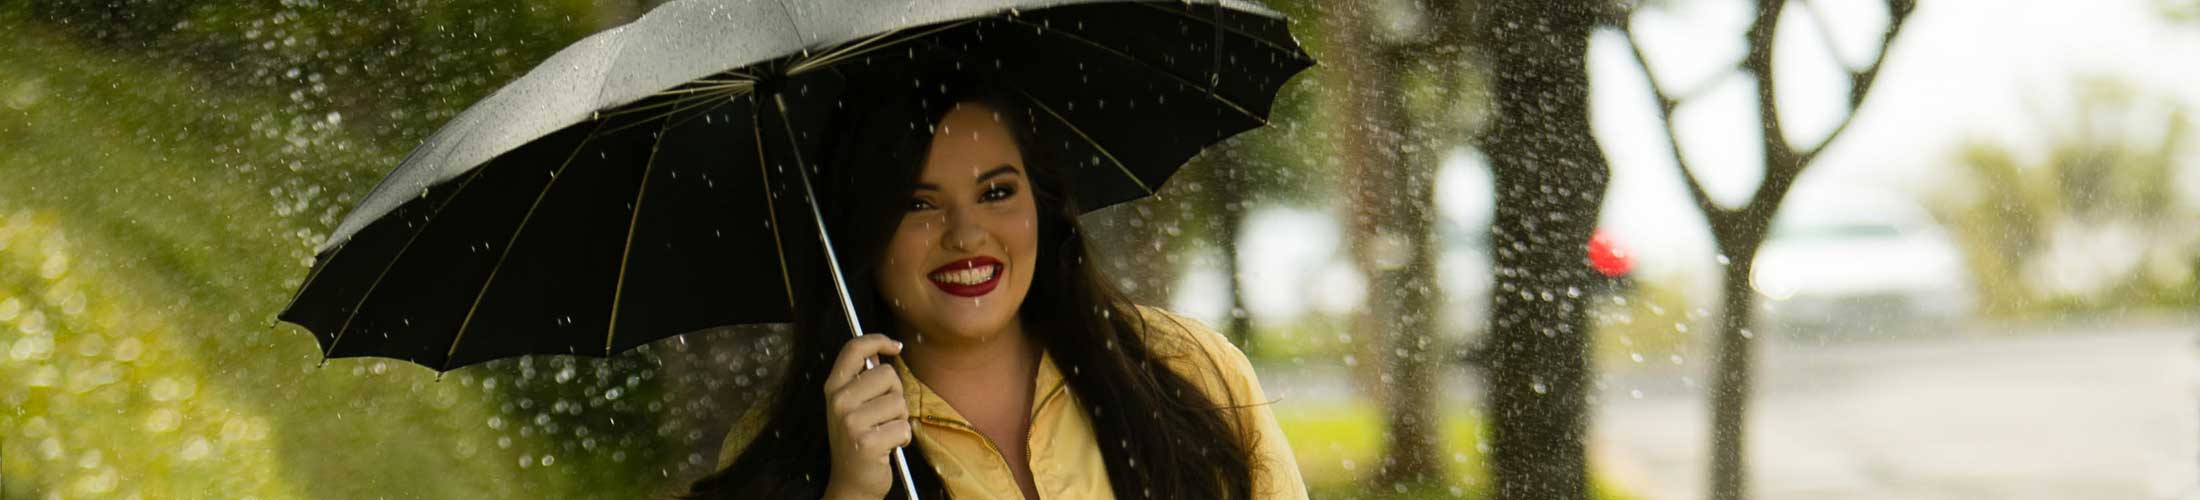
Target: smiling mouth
{"x": 968, "y": 277}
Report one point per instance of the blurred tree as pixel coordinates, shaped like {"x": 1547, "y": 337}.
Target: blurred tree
{"x": 1740, "y": 231}
{"x": 2093, "y": 221}
{"x": 1549, "y": 179}
{"x": 1206, "y": 203}
{"x": 1274, "y": 164}
{"x": 2182, "y": 11}
{"x": 1400, "y": 72}
{"x": 1133, "y": 242}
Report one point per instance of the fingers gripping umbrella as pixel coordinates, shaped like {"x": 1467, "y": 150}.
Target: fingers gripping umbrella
{"x": 649, "y": 180}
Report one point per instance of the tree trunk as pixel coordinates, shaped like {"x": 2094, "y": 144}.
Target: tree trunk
{"x": 1741, "y": 231}
{"x": 1391, "y": 199}
{"x": 1127, "y": 237}
{"x": 1730, "y": 387}
{"x": 1549, "y": 179}
{"x": 1231, "y": 208}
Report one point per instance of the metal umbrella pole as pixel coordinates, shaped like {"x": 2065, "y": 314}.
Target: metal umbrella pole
{"x": 840, "y": 285}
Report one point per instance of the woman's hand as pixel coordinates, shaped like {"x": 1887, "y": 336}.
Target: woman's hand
{"x": 866, "y": 418}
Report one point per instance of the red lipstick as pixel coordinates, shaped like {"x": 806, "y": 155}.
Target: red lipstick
{"x": 970, "y": 277}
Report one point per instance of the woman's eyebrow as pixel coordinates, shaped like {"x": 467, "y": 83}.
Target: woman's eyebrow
{"x": 1004, "y": 169}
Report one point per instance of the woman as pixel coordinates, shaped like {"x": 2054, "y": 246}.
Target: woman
{"x": 1008, "y": 367}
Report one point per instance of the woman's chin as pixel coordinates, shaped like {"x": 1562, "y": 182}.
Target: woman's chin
{"x": 962, "y": 322}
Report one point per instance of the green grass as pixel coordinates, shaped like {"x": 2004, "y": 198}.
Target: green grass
{"x": 1651, "y": 326}
{"x": 1337, "y": 447}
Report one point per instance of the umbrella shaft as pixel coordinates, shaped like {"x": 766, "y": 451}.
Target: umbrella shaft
{"x": 840, "y": 283}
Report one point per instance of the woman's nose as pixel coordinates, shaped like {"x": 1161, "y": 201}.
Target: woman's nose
{"x": 963, "y": 231}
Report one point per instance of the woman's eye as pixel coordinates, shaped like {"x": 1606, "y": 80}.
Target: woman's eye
{"x": 916, "y": 204}
{"x": 998, "y": 192}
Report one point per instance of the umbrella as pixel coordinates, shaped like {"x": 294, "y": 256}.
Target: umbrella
{"x": 648, "y": 180}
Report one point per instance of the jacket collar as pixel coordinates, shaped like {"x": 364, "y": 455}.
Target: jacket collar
{"x": 927, "y": 405}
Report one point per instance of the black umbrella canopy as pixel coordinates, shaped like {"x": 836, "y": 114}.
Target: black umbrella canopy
{"x": 639, "y": 184}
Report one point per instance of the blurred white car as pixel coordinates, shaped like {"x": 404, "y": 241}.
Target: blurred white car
{"x": 1857, "y": 263}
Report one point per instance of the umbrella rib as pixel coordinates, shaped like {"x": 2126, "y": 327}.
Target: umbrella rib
{"x": 769, "y": 209}
{"x": 1295, "y": 54}
{"x": 1082, "y": 135}
{"x": 386, "y": 268}
{"x": 1141, "y": 62}
{"x": 673, "y": 102}
{"x": 311, "y": 276}
{"x": 837, "y": 53}
{"x": 717, "y": 86}
{"x": 678, "y": 121}
{"x": 507, "y": 251}
{"x": 690, "y": 103}
{"x": 626, "y": 255}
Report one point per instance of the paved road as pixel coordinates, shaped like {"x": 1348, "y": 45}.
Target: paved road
{"x": 2111, "y": 415}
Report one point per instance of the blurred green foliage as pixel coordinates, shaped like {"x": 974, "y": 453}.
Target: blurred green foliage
{"x": 159, "y": 212}
{"x": 2089, "y": 220}
{"x": 1652, "y": 325}
{"x": 395, "y": 69}
{"x": 1338, "y": 446}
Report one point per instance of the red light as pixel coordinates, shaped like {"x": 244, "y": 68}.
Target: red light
{"x": 1606, "y": 255}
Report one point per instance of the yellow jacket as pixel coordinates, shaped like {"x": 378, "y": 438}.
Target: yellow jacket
{"x": 1065, "y": 458}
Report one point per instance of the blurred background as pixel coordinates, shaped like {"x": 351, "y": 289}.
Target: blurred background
{"x": 1488, "y": 249}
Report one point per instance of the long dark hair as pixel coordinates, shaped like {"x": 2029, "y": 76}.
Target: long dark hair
{"x": 1160, "y": 434}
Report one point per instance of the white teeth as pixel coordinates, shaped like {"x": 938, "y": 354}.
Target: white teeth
{"x": 967, "y": 276}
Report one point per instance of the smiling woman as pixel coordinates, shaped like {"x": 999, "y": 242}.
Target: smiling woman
{"x": 1012, "y": 361}
{"x": 970, "y": 234}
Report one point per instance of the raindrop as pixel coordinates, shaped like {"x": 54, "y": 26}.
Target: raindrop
{"x": 196, "y": 449}
{"x": 128, "y": 350}
{"x": 162, "y": 420}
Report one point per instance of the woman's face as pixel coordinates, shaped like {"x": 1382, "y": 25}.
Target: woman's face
{"x": 961, "y": 261}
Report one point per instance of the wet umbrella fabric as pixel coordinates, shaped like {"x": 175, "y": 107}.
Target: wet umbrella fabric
{"x": 637, "y": 185}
